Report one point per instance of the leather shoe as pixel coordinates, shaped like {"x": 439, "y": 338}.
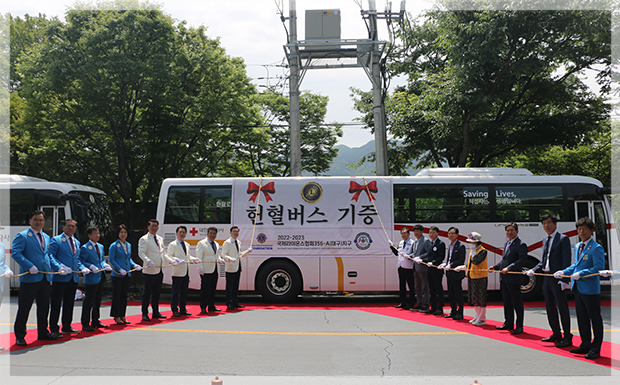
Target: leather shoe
{"x": 158, "y": 315}
{"x": 47, "y": 337}
{"x": 457, "y": 317}
{"x": 176, "y": 314}
{"x": 580, "y": 350}
{"x": 593, "y": 355}
{"x": 449, "y": 315}
{"x": 552, "y": 338}
{"x": 566, "y": 342}
{"x": 503, "y": 327}
{"x": 56, "y": 335}
{"x": 145, "y": 318}
{"x": 240, "y": 306}
{"x": 69, "y": 331}
{"x": 88, "y": 329}
{"x": 99, "y": 325}
{"x": 401, "y": 306}
{"x": 518, "y": 330}
{"x": 230, "y": 308}
{"x": 214, "y": 309}
{"x": 438, "y": 312}
{"x": 185, "y": 312}
{"x": 21, "y": 342}
{"x": 416, "y": 307}
{"x": 427, "y": 311}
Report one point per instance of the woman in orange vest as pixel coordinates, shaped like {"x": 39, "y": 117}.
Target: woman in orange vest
{"x": 477, "y": 278}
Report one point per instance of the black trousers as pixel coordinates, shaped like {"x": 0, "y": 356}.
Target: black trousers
{"x": 120, "y": 288}
{"x": 455, "y": 291}
{"x": 28, "y": 293}
{"x": 556, "y": 301}
{"x": 513, "y": 303}
{"x": 405, "y": 278}
{"x": 588, "y": 307}
{"x": 434, "y": 283}
{"x": 63, "y": 296}
{"x": 180, "y": 286}
{"x": 232, "y": 288}
{"x": 208, "y": 283}
{"x": 91, "y": 308}
{"x": 152, "y": 290}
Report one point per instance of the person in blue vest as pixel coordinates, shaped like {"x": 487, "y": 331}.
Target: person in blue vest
{"x": 121, "y": 262}
{"x": 29, "y": 250}
{"x": 65, "y": 249}
{"x": 91, "y": 256}
{"x": 586, "y": 286}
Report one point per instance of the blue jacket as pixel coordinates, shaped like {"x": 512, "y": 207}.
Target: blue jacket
{"x": 591, "y": 261}
{"x": 119, "y": 259}
{"x": 27, "y": 252}
{"x": 61, "y": 251}
{"x": 88, "y": 256}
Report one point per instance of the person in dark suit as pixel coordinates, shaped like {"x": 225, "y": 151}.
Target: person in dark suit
{"x": 29, "y": 250}
{"x": 515, "y": 255}
{"x": 66, "y": 250}
{"x": 454, "y": 274}
{"x": 121, "y": 262}
{"x": 556, "y": 256}
{"x": 420, "y": 255}
{"x": 91, "y": 255}
{"x": 436, "y": 255}
{"x": 586, "y": 286}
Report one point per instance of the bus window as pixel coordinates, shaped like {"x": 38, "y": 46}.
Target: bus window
{"x": 528, "y": 203}
{"x": 183, "y": 205}
{"x": 452, "y": 204}
{"x": 21, "y": 206}
{"x": 217, "y": 205}
{"x": 402, "y": 204}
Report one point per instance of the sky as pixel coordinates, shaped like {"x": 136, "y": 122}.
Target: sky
{"x": 252, "y": 30}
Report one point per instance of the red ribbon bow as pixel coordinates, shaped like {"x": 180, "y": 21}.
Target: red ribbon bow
{"x": 357, "y": 189}
{"x": 267, "y": 189}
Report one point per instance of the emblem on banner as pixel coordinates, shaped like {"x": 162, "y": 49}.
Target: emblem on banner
{"x": 312, "y": 192}
{"x": 363, "y": 241}
{"x": 261, "y": 238}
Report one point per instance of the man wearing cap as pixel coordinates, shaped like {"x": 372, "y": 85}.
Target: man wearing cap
{"x": 477, "y": 278}
{"x": 515, "y": 255}
{"x": 556, "y": 256}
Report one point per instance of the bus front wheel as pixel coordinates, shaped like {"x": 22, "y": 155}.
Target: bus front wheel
{"x": 279, "y": 281}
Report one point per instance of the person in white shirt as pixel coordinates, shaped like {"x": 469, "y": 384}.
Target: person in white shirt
{"x": 207, "y": 251}
{"x": 231, "y": 253}
{"x": 178, "y": 250}
{"x": 405, "y": 270}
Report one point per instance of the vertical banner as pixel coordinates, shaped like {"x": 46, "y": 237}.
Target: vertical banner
{"x": 314, "y": 216}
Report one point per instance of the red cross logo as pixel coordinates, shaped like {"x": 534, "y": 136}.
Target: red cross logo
{"x": 193, "y": 231}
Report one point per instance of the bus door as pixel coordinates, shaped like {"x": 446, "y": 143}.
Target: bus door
{"x": 54, "y": 215}
{"x": 595, "y": 210}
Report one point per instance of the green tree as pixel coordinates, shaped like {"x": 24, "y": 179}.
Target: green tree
{"x": 486, "y": 85}
{"x": 269, "y": 154}
{"x": 121, "y": 99}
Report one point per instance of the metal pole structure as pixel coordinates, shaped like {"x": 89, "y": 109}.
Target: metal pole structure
{"x": 377, "y": 100}
{"x": 294, "y": 123}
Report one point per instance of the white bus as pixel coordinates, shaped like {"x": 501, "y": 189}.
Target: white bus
{"x": 325, "y": 234}
{"x": 21, "y": 195}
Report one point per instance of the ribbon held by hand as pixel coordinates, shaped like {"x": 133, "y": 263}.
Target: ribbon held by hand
{"x": 370, "y": 188}
{"x": 267, "y": 189}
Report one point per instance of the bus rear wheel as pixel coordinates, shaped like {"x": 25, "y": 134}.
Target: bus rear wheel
{"x": 531, "y": 287}
{"x": 279, "y": 281}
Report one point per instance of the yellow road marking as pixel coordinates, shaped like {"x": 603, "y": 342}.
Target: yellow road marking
{"x": 301, "y": 333}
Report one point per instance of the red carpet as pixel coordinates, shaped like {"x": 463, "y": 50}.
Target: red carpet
{"x": 531, "y": 338}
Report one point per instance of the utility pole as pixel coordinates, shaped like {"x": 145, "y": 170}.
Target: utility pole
{"x": 295, "y": 125}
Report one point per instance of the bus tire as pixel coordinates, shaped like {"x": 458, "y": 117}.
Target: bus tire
{"x": 531, "y": 287}
{"x": 279, "y": 281}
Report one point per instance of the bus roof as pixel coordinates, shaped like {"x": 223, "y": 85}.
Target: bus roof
{"x": 29, "y": 182}
{"x": 428, "y": 176}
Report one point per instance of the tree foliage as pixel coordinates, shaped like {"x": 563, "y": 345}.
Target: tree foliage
{"x": 122, "y": 99}
{"x": 484, "y": 86}
{"x": 269, "y": 155}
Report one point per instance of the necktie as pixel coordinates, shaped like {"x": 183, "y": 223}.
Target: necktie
{"x": 72, "y": 245}
{"x": 97, "y": 248}
{"x": 546, "y": 253}
{"x": 213, "y": 246}
{"x": 583, "y": 245}
{"x": 41, "y": 241}
{"x": 157, "y": 243}
{"x": 236, "y": 245}
{"x": 184, "y": 249}
{"x": 507, "y": 246}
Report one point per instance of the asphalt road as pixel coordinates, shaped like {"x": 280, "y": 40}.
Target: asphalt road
{"x": 320, "y": 340}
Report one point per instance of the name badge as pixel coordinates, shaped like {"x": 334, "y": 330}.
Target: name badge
{"x": 435, "y": 248}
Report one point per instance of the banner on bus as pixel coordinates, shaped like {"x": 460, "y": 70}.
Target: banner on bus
{"x": 311, "y": 217}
